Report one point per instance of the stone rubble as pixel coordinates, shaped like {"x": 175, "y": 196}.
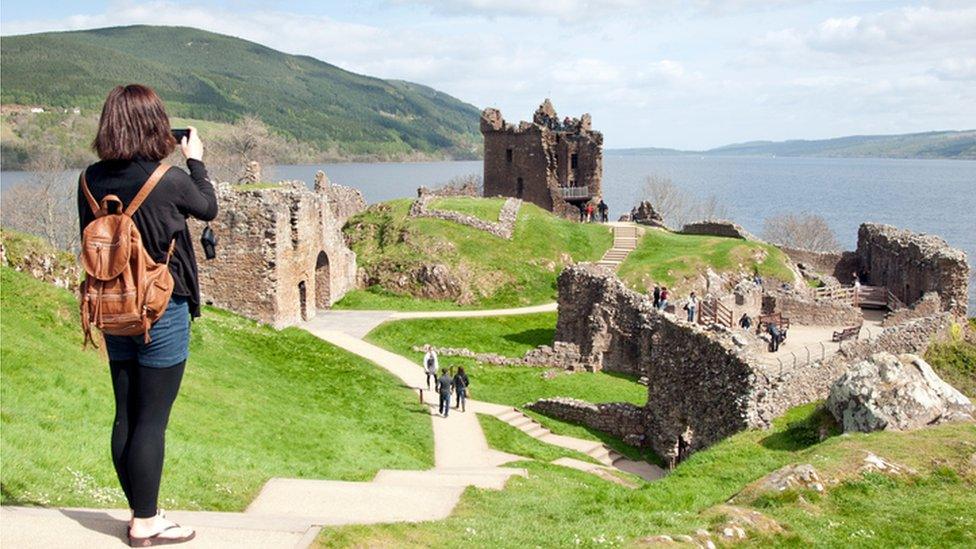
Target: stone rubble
{"x": 503, "y": 228}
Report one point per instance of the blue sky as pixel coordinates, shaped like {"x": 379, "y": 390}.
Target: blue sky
{"x": 667, "y": 73}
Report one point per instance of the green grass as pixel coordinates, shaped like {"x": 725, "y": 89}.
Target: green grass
{"x": 255, "y": 403}
{"x": 558, "y": 507}
{"x": 482, "y": 208}
{"x": 955, "y": 359}
{"x": 254, "y": 186}
{"x": 676, "y": 260}
{"x": 507, "y": 336}
{"x": 504, "y": 437}
{"x": 490, "y": 272}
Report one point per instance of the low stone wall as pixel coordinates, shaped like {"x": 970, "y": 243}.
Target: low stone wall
{"x": 929, "y": 305}
{"x": 625, "y": 421}
{"x": 718, "y": 228}
{"x": 808, "y": 312}
{"x": 561, "y": 355}
{"x": 503, "y": 228}
{"x": 467, "y": 189}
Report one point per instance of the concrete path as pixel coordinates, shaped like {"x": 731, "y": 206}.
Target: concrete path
{"x": 360, "y": 323}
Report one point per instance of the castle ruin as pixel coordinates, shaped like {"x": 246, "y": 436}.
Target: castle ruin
{"x": 555, "y": 164}
{"x": 280, "y": 250}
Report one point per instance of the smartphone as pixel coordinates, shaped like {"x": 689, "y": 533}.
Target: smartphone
{"x": 180, "y": 134}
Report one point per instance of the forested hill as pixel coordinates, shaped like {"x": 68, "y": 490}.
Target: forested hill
{"x": 944, "y": 144}
{"x": 209, "y": 76}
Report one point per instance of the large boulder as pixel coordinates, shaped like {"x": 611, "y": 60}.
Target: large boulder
{"x": 645, "y": 214}
{"x": 895, "y": 393}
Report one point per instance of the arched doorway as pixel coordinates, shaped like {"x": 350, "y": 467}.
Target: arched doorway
{"x": 323, "y": 282}
{"x": 303, "y": 299}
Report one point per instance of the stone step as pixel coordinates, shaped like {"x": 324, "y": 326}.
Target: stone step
{"x": 520, "y": 421}
{"x": 486, "y": 478}
{"x": 509, "y": 415}
{"x": 537, "y": 432}
{"x": 331, "y": 502}
{"x": 615, "y": 456}
{"x": 527, "y": 426}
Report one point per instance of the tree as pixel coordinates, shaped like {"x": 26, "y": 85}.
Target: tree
{"x": 804, "y": 231}
{"x": 249, "y": 139}
{"x": 667, "y": 199}
{"x": 46, "y": 204}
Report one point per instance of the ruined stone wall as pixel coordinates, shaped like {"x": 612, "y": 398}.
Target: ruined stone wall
{"x": 280, "y": 252}
{"x": 503, "y": 228}
{"x": 625, "y": 421}
{"x": 929, "y": 305}
{"x": 840, "y": 265}
{"x": 603, "y": 319}
{"x": 703, "y": 384}
{"x": 910, "y": 264}
{"x": 717, "y": 228}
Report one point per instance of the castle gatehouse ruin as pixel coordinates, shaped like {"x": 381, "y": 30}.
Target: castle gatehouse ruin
{"x": 280, "y": 250}
{"x": 555, "y": 164}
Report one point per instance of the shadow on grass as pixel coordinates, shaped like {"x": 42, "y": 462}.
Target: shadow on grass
{"x": 804, "y": 432}
{"x": 533, "y": 337}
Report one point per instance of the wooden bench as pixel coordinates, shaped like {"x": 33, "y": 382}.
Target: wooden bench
{"x": 773, "y": 318}
{"x": 846, "y": 333}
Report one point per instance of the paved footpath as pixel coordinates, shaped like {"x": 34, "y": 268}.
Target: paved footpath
{"x": 289, "y": 513}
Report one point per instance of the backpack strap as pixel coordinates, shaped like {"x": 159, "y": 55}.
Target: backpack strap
{"x": 147, "y": 188}
{"x": 92, "y": 203}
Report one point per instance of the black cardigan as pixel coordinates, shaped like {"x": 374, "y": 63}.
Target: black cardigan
{"x": 162, "y": 216}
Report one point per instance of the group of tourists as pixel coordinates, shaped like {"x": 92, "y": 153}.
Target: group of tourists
{"x": 449, "y": 381}
{"x": 661, "y": 295}
{"x": 590, "y": 212}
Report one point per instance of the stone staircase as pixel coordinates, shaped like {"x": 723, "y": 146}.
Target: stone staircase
{"x": 625, "y": 239}
{"x": 596, "y": 450}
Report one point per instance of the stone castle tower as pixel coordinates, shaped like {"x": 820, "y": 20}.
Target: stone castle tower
{"x": 555, "y": 164}
{"x": 280, "y": 251}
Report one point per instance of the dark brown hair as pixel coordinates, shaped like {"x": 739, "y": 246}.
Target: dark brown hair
{"x": 133, "y": 125}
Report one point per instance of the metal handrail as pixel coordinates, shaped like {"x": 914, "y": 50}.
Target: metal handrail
{"x": 575, "y": 192}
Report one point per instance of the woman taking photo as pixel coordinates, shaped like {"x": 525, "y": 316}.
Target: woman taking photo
{"x": 133, "y": 138}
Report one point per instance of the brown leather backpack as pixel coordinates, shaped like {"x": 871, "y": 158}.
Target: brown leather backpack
{"x": 125, "y": 291}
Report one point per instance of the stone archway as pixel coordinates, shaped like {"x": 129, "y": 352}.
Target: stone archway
{"x": 323, "y": 282}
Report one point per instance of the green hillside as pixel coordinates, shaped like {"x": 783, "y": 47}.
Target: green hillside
{"x": 255, "y": 403}
{"x": 209, "y": 76}
{"x": 482, "y": 270}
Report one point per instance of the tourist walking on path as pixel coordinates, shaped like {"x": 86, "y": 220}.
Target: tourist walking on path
{"x": 603, "y": 208}
{"x": 745, "y": 322}
{"x": 663, "y": 304}
{"x": 133, "y": 138}
{"x": 444, "y": 386}
{"x": 430, "y": 364}
{"x": 657, "y": 296}
{"x": 461, "y": 383}
{"x": 776, "y": 337}
{"x": 589, "y": 212}
{"x": 691, "y": 306}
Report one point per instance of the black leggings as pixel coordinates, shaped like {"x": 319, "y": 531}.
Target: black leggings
{"x": 143, "y": 399}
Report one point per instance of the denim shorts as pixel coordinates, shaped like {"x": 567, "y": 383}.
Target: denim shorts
{"x": 170, "y": 336}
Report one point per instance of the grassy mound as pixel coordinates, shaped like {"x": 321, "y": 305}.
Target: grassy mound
{"x": 484, "y": 208}
{"x": 559, "y": 507}
{"x": 484, "y": 271}
{"x": 678, "y": 260}
{"x": 255, "y": 403}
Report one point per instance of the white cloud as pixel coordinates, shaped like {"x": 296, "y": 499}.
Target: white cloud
{"x": 956, "y": 68}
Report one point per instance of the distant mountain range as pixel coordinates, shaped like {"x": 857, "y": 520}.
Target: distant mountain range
{"x": 946, "y": 144}
{"x": 208, "y": 76}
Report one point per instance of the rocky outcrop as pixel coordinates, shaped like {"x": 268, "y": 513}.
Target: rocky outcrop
{"x": 895, "y": 393}
{"x": 645, "y": 214}
{"x": 41, "y": 261}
